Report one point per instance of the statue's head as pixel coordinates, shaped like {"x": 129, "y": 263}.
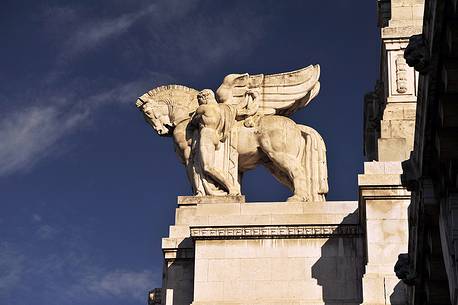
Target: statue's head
{"x": 166, "y": 106}
{"x": 206, "y": 96}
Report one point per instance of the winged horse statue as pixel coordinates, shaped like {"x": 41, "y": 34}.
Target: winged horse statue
{"x": 218, "y": 136}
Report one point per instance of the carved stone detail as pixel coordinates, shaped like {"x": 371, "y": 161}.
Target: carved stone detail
{"x": 417, "y": 54}
{"x": 402, "y": 269}
{"x": 401, "y": 74}
{"x": 271, "y": 232}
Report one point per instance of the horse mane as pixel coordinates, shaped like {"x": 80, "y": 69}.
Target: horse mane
{"x": 180, "y": 100}
{"x": 161, "y": 89}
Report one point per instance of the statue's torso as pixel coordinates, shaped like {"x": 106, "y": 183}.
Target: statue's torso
{"x": 209, "y": 116}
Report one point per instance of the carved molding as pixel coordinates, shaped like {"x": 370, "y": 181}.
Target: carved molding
{"x": 275, "y": 232}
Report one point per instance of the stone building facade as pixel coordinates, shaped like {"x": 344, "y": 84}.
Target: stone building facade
{"x": 431, "y": 173}
{"x": 344, "y": 252}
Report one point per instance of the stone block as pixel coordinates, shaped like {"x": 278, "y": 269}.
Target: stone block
{"x": 218, "y": 209}
{"x": 374, "y": 180}
{"x": 387, "y": 230}
{"x": 373, "y": 290}
{"x": 418, "y": 11}
{"x": 374, "y": 167}
{"x": 222, "y": 220}
{"x": 278, "y": 266}
{"x": 385, "y": 129}
{"x": 305, "y": 247}
{"x": 201, "y": 270}
{"x": 208, "y": 291}
{"x": 392, "y": 149}
{"x": 224, "y": 270}
{"x": 269, "y": 247}
{"x": 256, "y": 269}
{"x": 386, "y": 209}
{"x": 296, "y": 269}
{"x": 169, "y": 243}
{"x": 381, "y": 253}
{"x": 305, "y": 290}
{"x": 410, "y": 112}
{"x": 402, "y": 13}
{"x": 269, "y": 290}
{"x": 239, "y": 290}
{"x": 179, "y": 231}
{"x": 210, "y": 249}
{"x": 393, "y": 111}
{"x": 393, "y": 167}
{"x": 271, "y": 208}
{"x": 402, "y": 129}
{"x": 297, "y": 219}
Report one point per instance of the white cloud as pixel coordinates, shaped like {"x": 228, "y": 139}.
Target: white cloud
{"x": 91, "y": 33}
{"x": 31, "y": 134}
{"x": 126, "y": 284}
{"x": 28, "y": 135}
{"x": 68, "y": 271}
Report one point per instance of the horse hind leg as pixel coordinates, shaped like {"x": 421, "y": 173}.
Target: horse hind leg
{"x": 279, "y": 175}
{"x": 290, "y": 166}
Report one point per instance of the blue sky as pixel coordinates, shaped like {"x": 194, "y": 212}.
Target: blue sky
{"x": 87, "y": 189}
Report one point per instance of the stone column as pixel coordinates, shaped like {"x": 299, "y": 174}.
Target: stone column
{"x": 389, "y": 111}
{"x": 383, "y": 207}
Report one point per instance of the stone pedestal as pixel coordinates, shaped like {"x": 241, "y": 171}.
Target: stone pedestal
{"x": 264, "y": 253}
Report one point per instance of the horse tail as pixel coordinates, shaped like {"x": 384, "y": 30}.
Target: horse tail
{"x": 314, "y": 161}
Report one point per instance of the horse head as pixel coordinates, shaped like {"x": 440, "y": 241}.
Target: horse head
{"x": 166, "y": 106}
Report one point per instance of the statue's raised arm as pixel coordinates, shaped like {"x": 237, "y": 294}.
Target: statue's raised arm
{"x": 219, "y": 137}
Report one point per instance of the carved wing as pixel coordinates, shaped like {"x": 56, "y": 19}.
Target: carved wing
{"x": 281, "y": 93}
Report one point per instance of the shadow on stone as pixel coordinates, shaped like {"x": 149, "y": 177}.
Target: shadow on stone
{"x": 399, "y": 295}
{"x": 179, "y": 275}
{"x": 340, "y": 268}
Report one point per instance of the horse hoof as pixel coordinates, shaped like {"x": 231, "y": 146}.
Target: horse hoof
{"x": 297, "y": 198}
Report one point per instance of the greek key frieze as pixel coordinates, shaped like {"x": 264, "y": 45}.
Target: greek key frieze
{"x": 286, "y": 231}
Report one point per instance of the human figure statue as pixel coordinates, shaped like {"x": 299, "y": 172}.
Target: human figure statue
{"x": 214, "y": 122}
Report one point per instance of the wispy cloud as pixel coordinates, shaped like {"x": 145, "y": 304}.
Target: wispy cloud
{"x": 68, "y": 278}
{"x": 201, "y": 41}
{"x": 207, "y": 40}
{"x": 12, "y": 267}
{"x": 70, "y": 273}
{"x": 31, "y": 134}
{"x": 120, "y": 283}
{"x": 28, "y": 135}
{"x": 92, "y": 33}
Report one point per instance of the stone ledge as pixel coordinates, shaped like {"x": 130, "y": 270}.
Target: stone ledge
{"x": 275, "y": 232}
{"x": 195, "y": 200}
